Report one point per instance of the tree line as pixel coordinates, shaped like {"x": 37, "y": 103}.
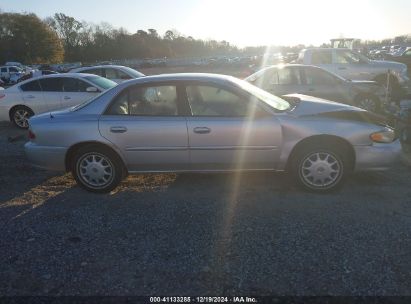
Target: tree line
{"x": 27, "y": 38}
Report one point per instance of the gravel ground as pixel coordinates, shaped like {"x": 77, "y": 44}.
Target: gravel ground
{"x": 166, "y": 234}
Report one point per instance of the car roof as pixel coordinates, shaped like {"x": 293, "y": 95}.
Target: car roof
{"x": 60, "y": 75}
{"x": 10, "y": 66}
{"x": 207, "y": 77}
{"x": 99, "y": 67}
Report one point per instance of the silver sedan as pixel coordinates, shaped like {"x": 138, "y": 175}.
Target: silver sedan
{"x": 208, "y": 123}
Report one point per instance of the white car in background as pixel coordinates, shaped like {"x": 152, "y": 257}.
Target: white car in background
{"x": 10, "y": 74}
{"x": 48, "y": 93}
{"x": 116, "y": 73}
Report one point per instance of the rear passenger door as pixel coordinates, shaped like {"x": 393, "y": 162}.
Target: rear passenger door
{"x": 145, "y": 124}
{"x": 33, "y": 96}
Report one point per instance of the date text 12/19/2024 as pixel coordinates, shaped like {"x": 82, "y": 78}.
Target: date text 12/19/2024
{"x": 203, "y": 300}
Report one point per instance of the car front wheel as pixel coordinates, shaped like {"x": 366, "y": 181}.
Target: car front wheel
{"x": 97, "y": 169}
{"x": 319, "y": 169}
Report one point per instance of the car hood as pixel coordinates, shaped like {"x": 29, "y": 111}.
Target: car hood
{"x": 308, "y": 106}
{"x": 302, "y": 105}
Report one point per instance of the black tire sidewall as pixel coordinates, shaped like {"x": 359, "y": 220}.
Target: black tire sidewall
{"x": 17, "y": 109}
{"x": 114, "y": 159}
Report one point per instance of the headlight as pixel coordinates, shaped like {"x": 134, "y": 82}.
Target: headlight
{"x": 385, "y": 136}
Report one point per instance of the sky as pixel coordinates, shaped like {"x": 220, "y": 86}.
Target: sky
{"x": 243, "y": 23}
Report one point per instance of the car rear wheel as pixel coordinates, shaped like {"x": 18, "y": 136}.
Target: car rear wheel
{"x": 97, "y": 169}
{"x": 20, "y": 116}
{"x": 319, "y": 169}
{"x": 368, "y": 102}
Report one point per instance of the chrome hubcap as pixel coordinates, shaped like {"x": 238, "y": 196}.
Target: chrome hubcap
{"x": 96, "y": 170}
{"x": 320, "y": 169}
{"x": 21, "y": 118}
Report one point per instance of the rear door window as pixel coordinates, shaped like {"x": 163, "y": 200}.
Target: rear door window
{"x": 285, "y": 76}
{"x": 51, "y": 84}
{"x": 146, "y": 101}
{"x": 32, "y": 86}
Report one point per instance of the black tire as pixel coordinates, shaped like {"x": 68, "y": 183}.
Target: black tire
{"x": 322, "y": 157}
{"x": 20, "y": 115}
{"x": 368, "y": 102}
{"x": 97, "y": 169}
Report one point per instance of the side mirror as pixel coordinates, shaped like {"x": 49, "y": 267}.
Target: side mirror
{"x": 92, "y": 90}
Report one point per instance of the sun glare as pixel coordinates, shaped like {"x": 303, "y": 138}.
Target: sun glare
{"x": 264, "y": 22}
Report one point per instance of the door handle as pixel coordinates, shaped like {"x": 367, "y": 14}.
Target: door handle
{"x": 118, "y": 129}
{"x": 30, "y": 96}
{"x": 202, "y": 130}
{"x": 67, "y": 97}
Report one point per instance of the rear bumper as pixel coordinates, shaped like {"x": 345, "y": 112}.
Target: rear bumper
{"x": 377, "y": 156}
{"x": 46, "y": 157}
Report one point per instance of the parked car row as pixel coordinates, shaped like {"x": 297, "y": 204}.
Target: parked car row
{"x": 203, "y": 123}
{"x": 48, "y": 93}
{"x": 35, "y": 95}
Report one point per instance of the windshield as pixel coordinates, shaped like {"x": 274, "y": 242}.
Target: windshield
{"x": 133, "y": 72}
{"x": 272, "y": 100}
{"x": 101, "y": 82}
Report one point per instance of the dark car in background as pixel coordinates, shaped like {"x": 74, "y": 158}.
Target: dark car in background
{"x": 314, "y": 81}
{"x": 403, "y": 57}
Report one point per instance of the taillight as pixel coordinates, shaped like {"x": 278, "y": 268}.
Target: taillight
{"x": 31, "y": 135}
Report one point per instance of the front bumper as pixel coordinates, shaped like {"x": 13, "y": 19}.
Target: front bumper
{"x": 377, "y": 156}
{"x": 46, "y": 157}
